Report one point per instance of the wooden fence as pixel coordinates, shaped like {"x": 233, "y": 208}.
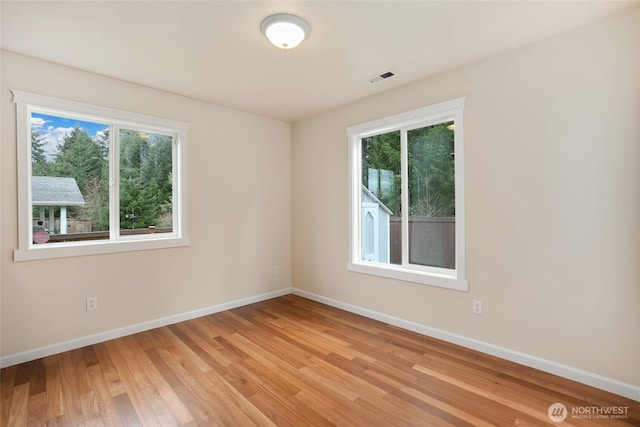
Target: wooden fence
{"x": 101, "y": 235}
{"x": 432, "y": 241}
{"x": 73, "y": 225}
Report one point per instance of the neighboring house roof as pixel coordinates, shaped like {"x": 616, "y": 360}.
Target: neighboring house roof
{"x": 384, "y": 207}
{"x": 55, "y": 191}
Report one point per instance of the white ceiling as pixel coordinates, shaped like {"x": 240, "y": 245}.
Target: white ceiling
{"x": 214, "y": 50}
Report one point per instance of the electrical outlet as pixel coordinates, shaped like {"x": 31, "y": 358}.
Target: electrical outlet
{"x": 477, "y": 307}
{"x": 92, "y": 303}
{"x": 276, "y": 270}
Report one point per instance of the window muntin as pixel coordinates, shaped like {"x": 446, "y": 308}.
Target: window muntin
{"x": 407, "y": 200}
{"x": 84, "y": 169}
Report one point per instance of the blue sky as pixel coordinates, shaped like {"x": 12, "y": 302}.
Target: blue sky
{"x": 53, "y": 129}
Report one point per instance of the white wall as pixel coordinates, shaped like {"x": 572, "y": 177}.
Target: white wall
{"x": 239, "y": 219}
{"x": 552, "y": 174}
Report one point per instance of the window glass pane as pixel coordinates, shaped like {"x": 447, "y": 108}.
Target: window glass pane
{"x": 69, "y": 179}
{"x": 432, "y": 195}
{"x": 381, "y": 230}
{"x": 146, "y": 183}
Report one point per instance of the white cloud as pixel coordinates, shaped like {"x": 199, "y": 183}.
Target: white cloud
{"x": 37, "y": 122}
{"x": 102, "y": 134}
{"x": 52, "y": 138}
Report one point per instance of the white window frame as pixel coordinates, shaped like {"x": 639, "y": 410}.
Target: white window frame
{"x": 26, "y": 103}
{"x": 441, "y": 277}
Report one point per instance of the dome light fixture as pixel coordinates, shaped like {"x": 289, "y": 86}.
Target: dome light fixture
{"x": 284, "y": 30}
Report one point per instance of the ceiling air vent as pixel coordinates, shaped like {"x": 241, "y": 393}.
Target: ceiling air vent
{"x": 382, "y": 76}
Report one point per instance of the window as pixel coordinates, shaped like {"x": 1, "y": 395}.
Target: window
{"x": 95, "y": 180}
{"x": 407, "y": 196}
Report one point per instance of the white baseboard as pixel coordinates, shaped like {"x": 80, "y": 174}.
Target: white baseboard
{"x": 608, "y": 384}
{"x": 37, "y": 353}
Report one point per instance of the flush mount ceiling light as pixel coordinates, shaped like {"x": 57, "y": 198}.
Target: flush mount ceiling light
{"x": 284, "y": 30}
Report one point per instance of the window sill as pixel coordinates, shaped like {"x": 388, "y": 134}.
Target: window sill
{"x": 65, "y": 250}
{"x": 399, "y": 273}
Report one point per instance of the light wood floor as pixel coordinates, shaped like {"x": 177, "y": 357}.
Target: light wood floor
{"x": 288, "y": 362}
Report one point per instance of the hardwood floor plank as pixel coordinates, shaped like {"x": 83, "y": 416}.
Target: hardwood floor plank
{"x": 283, "y": 412}
{"x": 23, "y": 373}
{"x": 203, "y": 344}
{"x": 318, "y": 403}
{"x": 89, "y": 356}
{"x": 105, "y": 406}
{"x": 19, "y": 409}
{"x": 239, "y": 409}
{"x": 109, "y": 372}
{"x": 279, "y": 350}
{"x": 334, "y": 390}
{"x": 161, "y": 411}
{"x": 183, "y": 347}
{"x": 251, "y": 350}
{"x": 539, "y": 413}
{"x": 438, "y": 395}
{"x": 482, "y": 378}
{"x": 398, "y": 411}
{"x": 7, "y": 381}
{"x": 126, "y": 411}
{"x": 56, "y": 422}
{"x": 53, "y": 387}
{"x": 436, "y": 403}
{"x": 38, "y": 377}
{"x": 80, "y": 371}
{"x": 289, "y": 361}
{"x": 72, "y": 409}
{"x": 198, "y": 387}
{"x": 360, "y": 387}
{"x": 90, "y": 408}
{"x": 196, "y": 399}
{"x": 37, "y": 413}
{"x": 352, "y": 413}
{"x": 163, "y": 390}
{"x": 276, "y": 397}
{"x": 399, "y": 399}
{"x": 133, "y": 383}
